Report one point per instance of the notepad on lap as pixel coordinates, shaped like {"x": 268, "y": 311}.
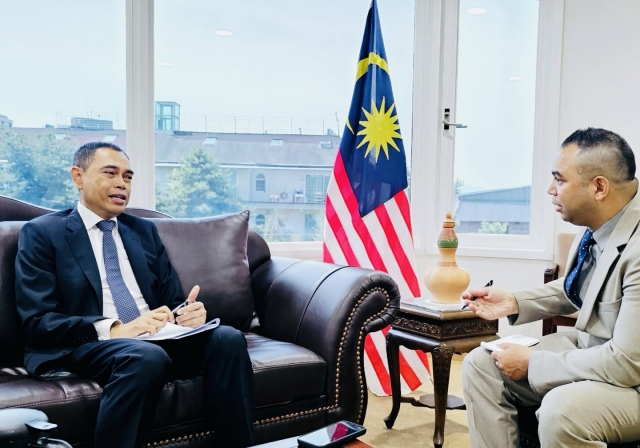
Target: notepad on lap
{"x": 511, "y": 339}
{"x": 173, "y": 331}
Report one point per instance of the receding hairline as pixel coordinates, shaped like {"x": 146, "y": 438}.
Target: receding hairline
{"x": 84, "y": 155}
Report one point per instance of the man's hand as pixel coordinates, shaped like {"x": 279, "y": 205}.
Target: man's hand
{"x": 150, "y": 323}
{"x": 490, "y": 303}
{"x": 194, "y": 314}
{"x": 513, "y": 360}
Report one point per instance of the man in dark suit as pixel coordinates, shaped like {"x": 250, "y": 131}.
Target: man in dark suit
{"x": 92, "y": 279}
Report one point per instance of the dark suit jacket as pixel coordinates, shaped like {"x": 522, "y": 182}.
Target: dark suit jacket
{"x": 58, "y": 289}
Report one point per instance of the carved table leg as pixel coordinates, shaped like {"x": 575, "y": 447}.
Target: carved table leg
{"x": 394, "y": 371}
{"x": 441, "y": 356}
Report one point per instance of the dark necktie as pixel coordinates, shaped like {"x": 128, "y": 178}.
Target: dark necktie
{"x": 122, "y": 298}
{"x": 571, "y": 282}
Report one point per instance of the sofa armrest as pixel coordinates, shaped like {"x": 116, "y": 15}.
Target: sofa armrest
{"x": 327, "y": 309}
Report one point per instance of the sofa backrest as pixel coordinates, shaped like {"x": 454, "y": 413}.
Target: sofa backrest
{"x": 14, "y": 213}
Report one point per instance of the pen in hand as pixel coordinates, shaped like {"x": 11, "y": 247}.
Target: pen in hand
{"x": 472, "y": 298}
{"x": 182, "y": 305}
{"x": 190, "y": 299}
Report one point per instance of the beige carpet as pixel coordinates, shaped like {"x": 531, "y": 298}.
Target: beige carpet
{"x": 414, "y": 425}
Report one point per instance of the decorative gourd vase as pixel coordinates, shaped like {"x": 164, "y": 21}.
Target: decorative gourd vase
{"x": 446, "y": 281}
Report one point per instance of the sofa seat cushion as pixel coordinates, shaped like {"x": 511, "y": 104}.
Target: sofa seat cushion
{"x": 284, "y": 372}
{"x": 73, "y": 403}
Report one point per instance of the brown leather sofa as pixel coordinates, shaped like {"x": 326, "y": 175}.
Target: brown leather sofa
{"x": 305, "y": 330}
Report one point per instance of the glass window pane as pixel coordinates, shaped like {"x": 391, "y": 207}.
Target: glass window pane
{"x": 62, "y": 66}
{"x": 496, "y": 100}
{"x": 272, "y": 84}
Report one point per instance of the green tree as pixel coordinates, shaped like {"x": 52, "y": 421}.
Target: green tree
{"x": 457, "y": 185}
{"x": 198, "y": 188}
{"x": 35, "y": 169}
{"x": 314, "y": 228}
{"x": 493, "y": 227}
{"x": 274, "y": 230}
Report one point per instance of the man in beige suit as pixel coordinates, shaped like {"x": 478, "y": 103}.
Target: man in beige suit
{"x": 586, "y": 381}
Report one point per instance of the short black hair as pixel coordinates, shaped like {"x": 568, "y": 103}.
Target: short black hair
{"x": 84, "y": 155}
{"x": 590, "y": 139}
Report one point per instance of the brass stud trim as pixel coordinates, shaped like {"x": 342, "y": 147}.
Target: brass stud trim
{"x": 339, "y": 361}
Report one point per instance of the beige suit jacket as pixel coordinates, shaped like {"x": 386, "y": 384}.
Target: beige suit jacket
{"x": 608, "y": 323}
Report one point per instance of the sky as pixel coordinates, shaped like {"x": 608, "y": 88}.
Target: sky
{"x": 288, "y": 59}
{"x": 291, "y": 59}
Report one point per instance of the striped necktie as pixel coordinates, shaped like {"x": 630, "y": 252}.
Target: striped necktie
{"x": 571, "y": 282}
{"x": 122, "y": 298}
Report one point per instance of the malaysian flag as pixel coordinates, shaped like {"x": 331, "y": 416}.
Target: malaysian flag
{"x": 368, "y": 221}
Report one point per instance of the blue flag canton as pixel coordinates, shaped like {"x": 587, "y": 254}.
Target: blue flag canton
{"x": 371, "y": 147}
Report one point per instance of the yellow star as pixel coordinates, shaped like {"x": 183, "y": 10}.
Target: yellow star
{"x": 379, "y": 129}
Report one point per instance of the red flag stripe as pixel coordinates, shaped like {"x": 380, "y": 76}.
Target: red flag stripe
{"x": 326, "y": 255}
{"x": 340, "y": 234}
{"x": 405, "y": 209}
{"x": 377, "y": 364}
{"x": 408, "y": 374}
{"x": 423, "y": 357}
{"x": 342, "y": 180}
{"x": 378, "y": 235}
{"x": 344, "y": 219}
{"x": 398, "y": 251}
{"x": 411, "y": 379}
{"x": 380, "y": 240}
{"x": 406, "y": 371}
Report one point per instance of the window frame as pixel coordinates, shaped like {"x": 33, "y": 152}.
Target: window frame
{"x": 261, "y": 181}
{"x": 434, "y": 89}
{"x": 433, "y": 22}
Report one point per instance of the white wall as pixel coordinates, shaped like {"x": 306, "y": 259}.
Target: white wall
{"x": 601, "y": 70}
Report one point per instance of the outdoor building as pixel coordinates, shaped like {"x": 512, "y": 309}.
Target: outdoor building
{"x": 505, "y": 210}
{"x": 5, "y": 122}
{"x": 167, "y": 116}
{"x": 90, "y": 123}
{"x": 278, "y": 176}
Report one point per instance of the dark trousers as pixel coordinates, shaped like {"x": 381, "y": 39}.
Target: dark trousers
{"x": 133, "y": 373}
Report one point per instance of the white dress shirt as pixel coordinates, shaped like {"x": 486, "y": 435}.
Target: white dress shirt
{"x": 90, "y": 220}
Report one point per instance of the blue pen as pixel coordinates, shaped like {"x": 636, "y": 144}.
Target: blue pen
{"x": 489, "y": 283}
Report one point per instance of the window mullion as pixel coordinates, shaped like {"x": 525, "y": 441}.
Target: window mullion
{"x": 140, "y": 100}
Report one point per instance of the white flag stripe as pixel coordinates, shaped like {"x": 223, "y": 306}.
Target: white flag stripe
{"x": 380, "y": 342}
{"x": 377, "y": 238}
{"x": 345, "y": 219}
{"x": 372, "y": 379}
{"x": 415, "y": 362}
{"x": 332, "y": 245}
{"x": 382, "y": 244}
{"x": 401, "y": 229}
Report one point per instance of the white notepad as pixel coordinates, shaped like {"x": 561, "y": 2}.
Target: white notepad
{"x": 511, "y": 339}
{"x": 173, "y": 331}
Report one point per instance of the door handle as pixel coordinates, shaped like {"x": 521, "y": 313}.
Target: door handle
{"x": 456, "y": 125}
{"x": 447, "y": 123}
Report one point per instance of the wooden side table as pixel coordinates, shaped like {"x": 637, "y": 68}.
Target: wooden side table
{"x": 442, "y": 333}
